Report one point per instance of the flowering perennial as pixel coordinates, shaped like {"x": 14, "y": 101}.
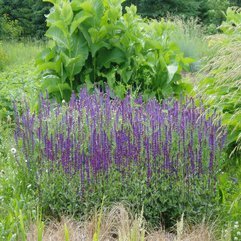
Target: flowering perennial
{"x": 94, "y": 133}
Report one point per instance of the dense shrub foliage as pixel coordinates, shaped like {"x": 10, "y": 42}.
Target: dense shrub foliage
{"x": 9, "y": 29}
{"x": 164, "y": 157}
{"x": 30, "y": 14}
{"x": 94, "y": 42}
{"x": 22, "y": 18}
{"x": 208, "y": 11}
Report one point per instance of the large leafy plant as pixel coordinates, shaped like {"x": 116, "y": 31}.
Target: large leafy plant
{"x": 93, "y": 42}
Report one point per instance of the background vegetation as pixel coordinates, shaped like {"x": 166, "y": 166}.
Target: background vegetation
{"x": 25, "y": 18}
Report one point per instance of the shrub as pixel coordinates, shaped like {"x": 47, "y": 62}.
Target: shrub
{"x": 163, "y": 157}
{"x": 9, "y": 29}
{"x": 94, "y": 42}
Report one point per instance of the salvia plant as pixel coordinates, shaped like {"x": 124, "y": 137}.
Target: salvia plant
{"x": 93, "y": 41}
{"x": 108, "y": 142}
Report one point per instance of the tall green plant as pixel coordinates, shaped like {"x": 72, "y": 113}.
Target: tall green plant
{"x": 93, "y": 42}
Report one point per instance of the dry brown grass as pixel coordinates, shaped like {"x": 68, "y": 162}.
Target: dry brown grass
{"x": 118, "y": 225}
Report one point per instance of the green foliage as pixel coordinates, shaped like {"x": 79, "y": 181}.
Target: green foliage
{"x": 208, "y": 11}
{"x": 23, "y": 17}
{"x": 230, "y": 200}
{"x": 232, "y": 25}
{"x": 18, "y": 78}
{"x": 16, "y": 84}
{"x": 94, "y": 43}
{"x": 9, "y": 29}
{"x": 162, "y": 201}
{"x": 3, "y": 57}
{"x": 190, "y": 38}
{"x": 212, "y": 11}
{"x": 21, "y": 53}
{"x": 156, "y": 8}
{"x": 16, "y": 195}
{"x": 220, "y": 79}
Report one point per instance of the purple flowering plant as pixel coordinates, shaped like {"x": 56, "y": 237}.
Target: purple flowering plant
{"x": 163, "y": 156}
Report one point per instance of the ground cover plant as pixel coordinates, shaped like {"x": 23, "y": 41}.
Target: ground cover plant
{"x": 163, "y": 157}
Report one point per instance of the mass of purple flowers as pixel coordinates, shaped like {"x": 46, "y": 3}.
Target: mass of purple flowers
{"x": 94, "y": 133}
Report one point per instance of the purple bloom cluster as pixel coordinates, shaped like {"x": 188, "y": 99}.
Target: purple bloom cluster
{"x": 93, "y": 134}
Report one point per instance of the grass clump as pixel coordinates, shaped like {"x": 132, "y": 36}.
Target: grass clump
{"x": 118, "y": 224}
{"x": 220, "y": 79}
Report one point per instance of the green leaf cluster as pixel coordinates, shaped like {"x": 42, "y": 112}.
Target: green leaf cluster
{"x": 94, "y": 43}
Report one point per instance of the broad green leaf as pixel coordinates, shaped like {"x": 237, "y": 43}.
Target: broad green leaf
{"x": 49, "y": 66}
{"x": 62, "y": 26}
{"x": 58, "y": 88}
{"x": 67, "y": 12}
{"x": 53, "y": 16}
{"x": 79, "y": 52}
{"x": 50, "y": 80}
{"x": 78, "y": 19}
{"x": 57, "y": 35}
{"x": 96, "y": 8}
{"x": 46, "y": 55}
{"x": 94, "y": 48}
{"x": 106, "y": 57}
{"x": 76, "y": 5}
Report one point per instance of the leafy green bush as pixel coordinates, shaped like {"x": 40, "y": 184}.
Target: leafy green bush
{"x": 95, "y": 43}
{"x": 25, "y": 18}
{"x": 209, "y": 12}
{"x": 232, "y": 25}
{"x": 9, "y": 29}
{"x": 220, "y": 79}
